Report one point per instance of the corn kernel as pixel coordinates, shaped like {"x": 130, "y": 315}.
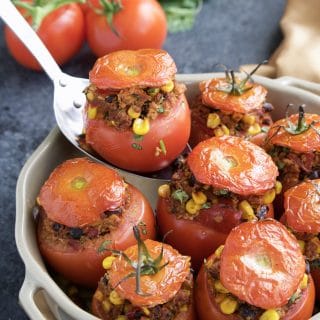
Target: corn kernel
{"x": 192, "y": 207}
{"x": 146, "y": 311}
{"x": 98, "y": 295}
{"x": 141, "y": 126}
{"x": 304, "y": 282}
{"x": 115, "y": 298}
{"x": 270, "y": 314}
{"x": 249, "y": 119}
{"x": 107, "y": 262}
{"x": 184, "y": 308}
{"x": 254, "y": 129}
{"x": 218, "y": 132}
{"x": 278, "y": 187}
{"x": 213, "y": 120}
{"x": 106, "y": 305}
{"x": 133, "y": 114}
{"x": 225, "y": 130}
{"x": 219, "y": 287}
{"x": 218, "y": 251}
{"x": 92, "y": 112}
{"x": 302, "y": 245}
{"x": 168, "y": 87}
{"x": 199, "y": 197}
{"x": 121, "y": 318}
{"x": 269, "y": 196}
{"x": 219, "y": 297}
{"x": 164, "y": 191}
{"x": 247, "y": 210}
{"x": 90, "y": 96}
{"x": 228, "y": 305}
{"x": 153, "y": 91}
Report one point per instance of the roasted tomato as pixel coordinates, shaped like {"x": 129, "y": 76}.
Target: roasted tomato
{"x": 230, "y": 106}
{"x": 302, "y": 216}
{"x": 258, "y": 274}
{"x": 148, "y": 280}
{"x": 55, "y": 23}
{"x": 86, "y": 210}
{"x": 137, "y": 116}
{"x": 212, "y": 191}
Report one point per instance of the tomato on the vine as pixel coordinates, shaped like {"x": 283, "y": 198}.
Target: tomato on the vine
{"x": 117, "y": 25}
{"x": 61, "y": 29}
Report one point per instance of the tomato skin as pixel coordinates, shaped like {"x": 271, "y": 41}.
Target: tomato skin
{"x": 140, "y": 24}
{"x": 200, "y": 237}
{"x": 208, "y": 309}
{"x": 173, "y": 129}
{"x": 55, "y": 31}
{"x": 85, "y": 266}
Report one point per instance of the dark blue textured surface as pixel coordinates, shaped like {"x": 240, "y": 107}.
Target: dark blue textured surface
{"x": 230, "y": 32}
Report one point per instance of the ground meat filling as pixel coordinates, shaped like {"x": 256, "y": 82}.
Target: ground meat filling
{"x": 119, "y": 108}
{"x": 295, "y": 167}
{"x": 76, "y": 237}
{"x": 184, "y": 187}
{"x": 111, "y": 308}
{"x": 232, "y": 123}
{"x": 244, "y": 310}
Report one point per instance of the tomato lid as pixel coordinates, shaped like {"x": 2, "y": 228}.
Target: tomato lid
{"x": 302, "y": 207}
{"x": 233, "y": 163}
{"x": 128, "y": 68}
{"x": 158, "y": 288}
{"x": 262, "y": 263}
{"x": 79, "y": 191}
{"x": 213, "y": 95}
{"x": 306, "y": 141}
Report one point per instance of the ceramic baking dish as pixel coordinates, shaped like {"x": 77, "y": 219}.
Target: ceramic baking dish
{"x": 40, "y": 296}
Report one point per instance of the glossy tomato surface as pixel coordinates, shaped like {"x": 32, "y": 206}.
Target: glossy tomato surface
{"x": 198, "y": 238}
{"x": 122, "y": 150}
{"x": 84, "y": 266}
{"x": 139, "y": 24}
{"x": 208, "y": 308}
{"x": 62, "y": 31}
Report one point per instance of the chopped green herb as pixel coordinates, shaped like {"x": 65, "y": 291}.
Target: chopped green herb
{"x": 163, "y": 147}
{"x": 160, "y": 109}
{"x": 180, "y": 195}
{"x": 137, "y": 137}
{"x": 206, "y": 205}
{"x": 137, "y": 146}
{"x": 104, "y": 246}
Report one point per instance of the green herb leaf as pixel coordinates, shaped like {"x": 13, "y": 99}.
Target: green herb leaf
{"x": 163, "y": 147}
{"x": 180, "y": 195}
{"x": 160, "y": 109}
{"x": 137, "y": 137}
{"x": 206, "y": 205}
{"x": 137, "y": 146}
{"x": 104, "y": 246}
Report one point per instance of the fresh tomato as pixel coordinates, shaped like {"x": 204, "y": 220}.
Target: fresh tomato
{"x": 62, "y": 31}
{"x": 205, "y": 233}
{"x": 208, "y": 308}
{"x": 84, "y": 189}
{"x": 262, "y": 263}
{"x": 168, "y": 132}
{"x": 162, "y": 274}
{"x": 299, "y": 135}
{"x": 134, "y": 25}
{"x": 301, "y": 204}
{"x": 221, "y": 162}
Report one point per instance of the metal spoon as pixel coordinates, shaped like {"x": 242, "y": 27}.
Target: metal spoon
{"x": 69, "y": 98}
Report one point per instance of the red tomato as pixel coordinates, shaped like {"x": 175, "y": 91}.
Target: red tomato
{"x": 208, "y": 308}
{"x": 139, "y": 24}
{"x": 205, "y": 233}
{"x": 62, "y": 31}
{"x": 82, "y": 263}
{"x": 307, "y": 141}
{"x": 220, "y": 162}
{"x": 262, "y": 263}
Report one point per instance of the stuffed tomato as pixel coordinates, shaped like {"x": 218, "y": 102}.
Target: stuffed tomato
{"x": 150, "y": 280}
{"x": 302, "y": 217}
{"x": 223, "y": 182}
{"x": 259, "y": 274}
{"x": 86, "y": 210}
{"x": 230, "y": 106}
{"x": 136, "y": 116}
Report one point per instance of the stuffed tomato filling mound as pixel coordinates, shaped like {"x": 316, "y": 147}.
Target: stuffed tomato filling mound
{"x": 229, "y": 304}
{"x": 133, "y": 108}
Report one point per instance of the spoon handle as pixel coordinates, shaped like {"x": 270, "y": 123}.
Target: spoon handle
{"x": 27, "y": 35}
